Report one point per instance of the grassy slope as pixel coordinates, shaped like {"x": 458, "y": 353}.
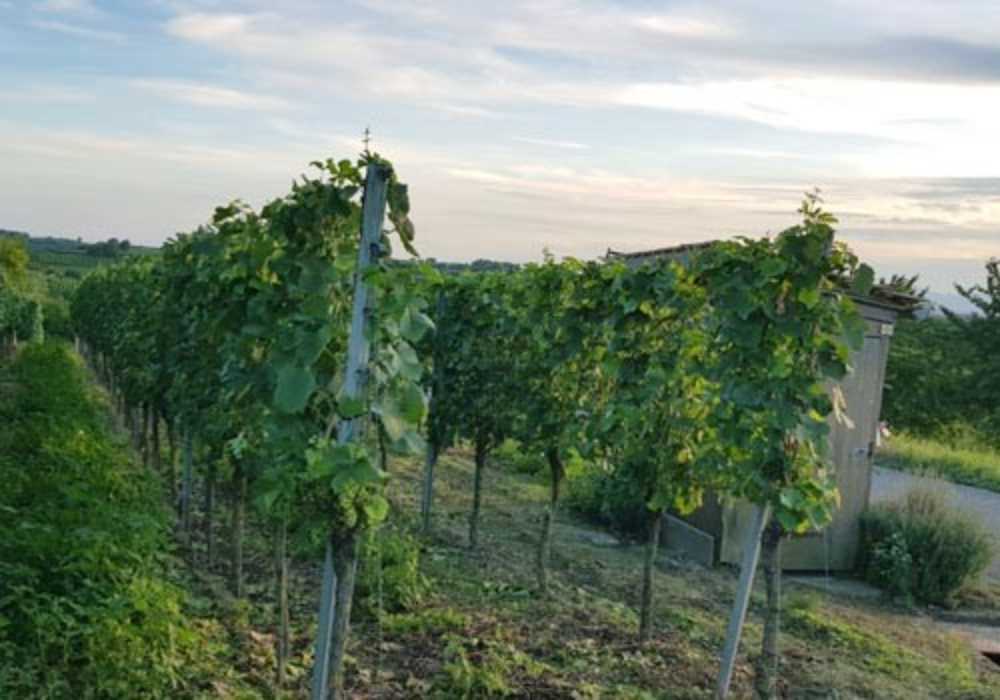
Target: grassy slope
{"x": 483, "y": 627}
{"x": 972, "y": 466}
{"x": 89, "y": 601}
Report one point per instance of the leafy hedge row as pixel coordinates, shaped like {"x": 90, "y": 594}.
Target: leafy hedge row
{"x": 84, "y": 609}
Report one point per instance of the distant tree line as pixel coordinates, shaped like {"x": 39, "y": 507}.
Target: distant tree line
{"x": 480, "y": 265}
{"x": 944, "y": 373}
{"x": 111, "y": 248}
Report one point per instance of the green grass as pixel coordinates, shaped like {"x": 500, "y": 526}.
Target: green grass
{"x": 482, "y": 631}
{"x": 962, "y": 464}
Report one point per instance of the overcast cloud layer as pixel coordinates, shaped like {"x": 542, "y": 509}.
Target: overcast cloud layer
{"x": 576, "y": 126}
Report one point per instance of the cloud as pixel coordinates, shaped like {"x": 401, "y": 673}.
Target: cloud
{"x": 326, "y": 57}
{"x": 515, "y": 120}
{"x": 79, "y": 31}
{"x": 895, "y": 110}
{"x": 516, "y": 208}
{"x": 757, "y": 153}
{"x": 150, "y": 186}
{"x": 204, "y": 95}
{"x": 200, "y": 26}
{"x": 460, "y": 110}
{"x": 80, "y": 7}
{"x": 884, "y": 207}
{"x": 952, "y": 189}
{"x": 926, "y": 128}
{"x": 681, "y": 26}
{"x": 48, "y": 94}
{"x": 549, "y": 143}
{"x": 561, "y": 54}
{"x": 380, "y": 63}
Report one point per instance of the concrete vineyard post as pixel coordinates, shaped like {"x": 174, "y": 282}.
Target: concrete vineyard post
{"x": 751, "y": 553}
{"x": 355, "y": 379}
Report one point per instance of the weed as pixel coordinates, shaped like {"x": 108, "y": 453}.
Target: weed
{"x": 389, "y": 578}
{"x": 511, "y": 454}
{"x": 432, "y": 621}
{"x": 485, "y": 668}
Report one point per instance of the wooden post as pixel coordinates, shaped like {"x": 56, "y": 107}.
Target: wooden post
{"x": 208, "y": 522}
{"x": 186, "y": 485}
{"x": 428, "y": 490}
{"x": 477, "y": 495}
{"x": 239, "y": 516}
{"x": 766, "y": 675}
{"x": 556, "y": 471}
{"x": 154, "y": 433}
{"x": 355, "y": 379}
{"x": 751, "y": 552}
{"x": 324, "y": 630}
{"x": 433, "y": 449}
{"x": 283, "y": 641}
{"x": 648, "y": 566}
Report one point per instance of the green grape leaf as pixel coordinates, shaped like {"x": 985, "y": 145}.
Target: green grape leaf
{"x": 295, "y": 386}
{"x": 350, "y": 407}
{"x": 312, "y": 343}
{"x": 863, "y": 280}
{"x": 414, "y": 324}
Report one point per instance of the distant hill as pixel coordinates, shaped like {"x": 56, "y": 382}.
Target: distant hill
{"x": 952, "y": 302}
{"x": 73, "y": 258}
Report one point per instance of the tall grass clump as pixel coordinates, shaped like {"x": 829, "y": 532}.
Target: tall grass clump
{"x": 956, "y": 456}
{"x": 606, "y": 496}
{"x": 921, "y": 549}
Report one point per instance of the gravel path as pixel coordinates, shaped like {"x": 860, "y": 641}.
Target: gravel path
{"x": 889, "y": 484}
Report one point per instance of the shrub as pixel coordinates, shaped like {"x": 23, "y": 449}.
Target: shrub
{"x": 606, "y": 497}
{"x": 389, "y": 577}
{"x": 922, "y": 549}
{"x": 56, "y": 318}
{"x": 511, "y": 454}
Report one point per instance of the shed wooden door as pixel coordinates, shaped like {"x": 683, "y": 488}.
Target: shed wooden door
{"x": 851, "y": 453}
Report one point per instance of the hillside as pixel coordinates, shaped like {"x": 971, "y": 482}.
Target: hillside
{"x": 73, "y": 257}
{"x": 478, "y": 629}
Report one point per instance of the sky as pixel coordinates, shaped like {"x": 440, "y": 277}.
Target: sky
{"x": 521, "y": 125}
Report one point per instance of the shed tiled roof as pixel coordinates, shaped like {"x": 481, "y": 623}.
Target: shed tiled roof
{"x": 657, "y": 252}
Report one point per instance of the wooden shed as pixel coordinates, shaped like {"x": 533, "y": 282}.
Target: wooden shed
{"x": 715, "y": 532}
